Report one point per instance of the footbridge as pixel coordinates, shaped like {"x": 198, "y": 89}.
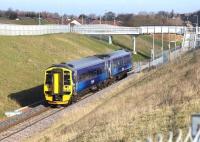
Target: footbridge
{"x": 103, "y": 29}
{"x": 110, "y": 30}
{"x": 119, "y": 30}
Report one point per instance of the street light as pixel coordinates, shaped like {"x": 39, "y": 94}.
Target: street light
{"x": 197, "y": 20}
{"x": 39, "y": 19}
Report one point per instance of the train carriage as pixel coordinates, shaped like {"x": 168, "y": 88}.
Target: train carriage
{"x": 121, "y": 63}
{"x": 65, "y": 80}
{"x": 88, "y": 72}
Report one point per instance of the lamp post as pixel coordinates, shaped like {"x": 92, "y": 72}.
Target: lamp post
{"x": 197, "y": 24}
{"x": 114, "y": 23}
{"x": 100, "y": 19}
{"x": 197, "y": 29}
{"x": 197, "y": 19}
{"x": 105, "y": 16}
{"x": 39, "y": 19}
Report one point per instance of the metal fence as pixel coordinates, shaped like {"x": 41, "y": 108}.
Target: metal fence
{"x": 179, "y": 138}
{"x": 162, "y": 29}
{"x": 12, "y": 30}
{"x": 163, "y": 58}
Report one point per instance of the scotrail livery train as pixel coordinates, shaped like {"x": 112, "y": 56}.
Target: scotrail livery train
{"x": 66, "y": 81}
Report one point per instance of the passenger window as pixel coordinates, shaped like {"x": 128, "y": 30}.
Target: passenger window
{"x": 49, "y": 79}
{"x": 66, "y": 79}
{"x": 90, "y": 74}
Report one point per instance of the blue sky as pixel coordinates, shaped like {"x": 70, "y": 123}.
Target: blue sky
{"x": 101, "y": 6}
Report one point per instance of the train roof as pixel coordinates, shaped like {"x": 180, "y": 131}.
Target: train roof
{"x": 85, "y": 62}
{"x": 118, "y": 53}
{"x": 93, "y": 60}
{"x": 115, "y": 54}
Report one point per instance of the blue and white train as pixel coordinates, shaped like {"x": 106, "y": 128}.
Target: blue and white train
{"x": 72, "y": 79}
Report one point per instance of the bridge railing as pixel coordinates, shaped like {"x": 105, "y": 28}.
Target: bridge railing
{"x": 105, "y": 29}
{"x": 163, "y": 29}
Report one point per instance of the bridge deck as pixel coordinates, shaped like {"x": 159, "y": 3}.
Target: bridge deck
{"x": 112, "y": 30}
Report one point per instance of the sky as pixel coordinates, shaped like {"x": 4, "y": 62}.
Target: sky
{"x": 99, "y": 7}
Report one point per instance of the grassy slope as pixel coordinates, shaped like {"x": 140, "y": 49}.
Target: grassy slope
{"x": 24, "y": 59}
{"x": 158, "y": 101}
{"x": 144, "y": 44}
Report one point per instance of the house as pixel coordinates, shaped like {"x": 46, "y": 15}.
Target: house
{"x": 72, "y": 22}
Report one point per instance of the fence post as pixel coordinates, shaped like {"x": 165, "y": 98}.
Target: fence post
{"x": 160, "y": 138}
{"x": 179, "y": 139}
{"x": 189, "y": 136}
{"x": 170, "y": 137}
{"x": 149, "y": 139}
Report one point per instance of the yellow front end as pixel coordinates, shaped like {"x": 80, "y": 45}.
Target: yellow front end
{"x": 58, "y": 85}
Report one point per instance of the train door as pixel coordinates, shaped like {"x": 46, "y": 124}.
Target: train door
{"x": 108, "y": 67}
{"x": 57, "y": 84}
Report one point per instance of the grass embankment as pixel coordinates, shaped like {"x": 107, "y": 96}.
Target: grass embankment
{"x": 158, "y": 101}
{"x": 23, "y": 60}
{"x": 144, "y": 44}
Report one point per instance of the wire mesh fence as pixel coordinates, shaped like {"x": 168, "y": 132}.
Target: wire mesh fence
{"x": 163, "y": 58}
{"x": 12, "y": 30}
{"x": 180, "y": 138}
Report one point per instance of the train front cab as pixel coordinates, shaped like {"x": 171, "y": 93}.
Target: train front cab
{"x": 58, "y": 85}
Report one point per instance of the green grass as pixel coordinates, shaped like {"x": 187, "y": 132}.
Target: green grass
{"x": 23, "y": 60}
{"x": 144, "y": 43}
{"x": 142, "y": 46}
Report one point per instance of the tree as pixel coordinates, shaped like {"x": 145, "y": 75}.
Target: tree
{"x": 1, "y": 13}
{"x": 11, "y": 14}
{"x": 109, "y": 16}
{"x": 92, "y": 16}
{"x": 172, "y": 14}
{"x": 163, "y": 14}
{"x": 82, "y": 16}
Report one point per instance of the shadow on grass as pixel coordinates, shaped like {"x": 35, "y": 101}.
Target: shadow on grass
{"x": 122, "y": 46}
{"x": 143, "y": 55}
{"x": 29, "y": 96}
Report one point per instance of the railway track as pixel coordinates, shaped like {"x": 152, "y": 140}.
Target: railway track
{"x": 16, "y": 124}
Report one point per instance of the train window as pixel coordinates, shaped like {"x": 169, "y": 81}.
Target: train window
{"x": 66, "y": 79}
{"x": 49, "y": 79}
{"x": 127, "y": 59}
{"x": 99, "y": 71}
{"x": 90, "y": 74}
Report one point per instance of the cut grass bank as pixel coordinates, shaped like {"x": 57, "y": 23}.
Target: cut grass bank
{"x": 153, "y": 102}
{"x": 144, "y": 44}
{"x": 23, "y": 60}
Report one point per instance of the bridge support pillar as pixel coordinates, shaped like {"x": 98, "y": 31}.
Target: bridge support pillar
{"x": 134, "y": 44}
{"x": 153, "y": 48}
{"x": 110, "y": 39}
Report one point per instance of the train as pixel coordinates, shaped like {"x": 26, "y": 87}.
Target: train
{"x": 67, "y": 81}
